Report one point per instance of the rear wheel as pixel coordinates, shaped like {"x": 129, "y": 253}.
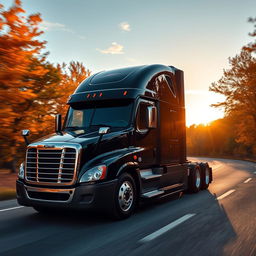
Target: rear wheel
{"x": 194, "y": 179}
{"x": 125, "y": 197}
{"x": 206, "y": 175}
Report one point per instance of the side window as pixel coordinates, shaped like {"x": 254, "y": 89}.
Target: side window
{"x": 154, "y": 87}
{"x": 171, "y": 86}
{"x": 141, "y": 119}
{"x": 167, "y": 89}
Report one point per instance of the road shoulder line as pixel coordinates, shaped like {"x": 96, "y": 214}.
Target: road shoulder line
{"x": 12, "y": 208}
{"x": 166, "y": 228}
{"x": 249, "y": 179}
{"x": 225, "y": 194}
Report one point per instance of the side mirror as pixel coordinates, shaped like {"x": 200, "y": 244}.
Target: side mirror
{"x": 25, "y": 133}
{"x": 103, "y": 130}
{"x": 152, "y": 117}
{"x": 58, "y": 123}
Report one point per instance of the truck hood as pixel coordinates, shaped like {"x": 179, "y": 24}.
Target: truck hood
{"x": 83, "y": 139}
{"x": 88, "y": 142}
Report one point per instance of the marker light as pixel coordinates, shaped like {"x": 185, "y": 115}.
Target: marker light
{"x": 94, "y": 95}
{"x": 135, "y": 157}
{"x": 88, "y": 95}
{"x": 125, "y": 92}
{"x": 100, "y": 94}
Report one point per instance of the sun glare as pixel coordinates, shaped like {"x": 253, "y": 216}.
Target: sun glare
{"x": 198, "y": 109}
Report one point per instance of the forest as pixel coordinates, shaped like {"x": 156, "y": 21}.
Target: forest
{"x": 33, "y": 90}
{"x": 235, "y": 134}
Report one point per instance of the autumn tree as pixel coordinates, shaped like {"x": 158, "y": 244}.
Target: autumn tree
{"x": 26, "y": 79}
{"x": 72, "y": 75}
{"x": 214, "y": 139}
{"x": 238, "y": 85}
{"x": 32, "y": 90}
{"x": 251, "y": 47}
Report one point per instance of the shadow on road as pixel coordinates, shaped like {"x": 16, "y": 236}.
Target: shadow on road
{"x": 206, "y": 233}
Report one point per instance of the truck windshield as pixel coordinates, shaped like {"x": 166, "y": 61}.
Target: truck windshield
{"x": 93, "y": 117}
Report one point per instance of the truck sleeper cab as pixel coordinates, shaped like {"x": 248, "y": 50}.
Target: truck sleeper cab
{"x": 123, "y": 140}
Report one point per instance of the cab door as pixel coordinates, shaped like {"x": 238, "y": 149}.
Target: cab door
{"x": 146, "y": 137}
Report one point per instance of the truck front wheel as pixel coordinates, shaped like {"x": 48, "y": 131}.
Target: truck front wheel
{"x": 125, "y": 197}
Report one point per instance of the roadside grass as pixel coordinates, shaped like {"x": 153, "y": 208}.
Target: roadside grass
{"x": 7, "y": 184}
{"x": 7, "y": 193}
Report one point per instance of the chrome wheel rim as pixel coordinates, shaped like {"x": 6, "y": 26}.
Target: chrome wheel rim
{"x": 125, "y": 196}
{"x": 198, "y": 178}
{"x": 207, "y": 176}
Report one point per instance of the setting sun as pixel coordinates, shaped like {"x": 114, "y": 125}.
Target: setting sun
{"x": 198, "y": 109}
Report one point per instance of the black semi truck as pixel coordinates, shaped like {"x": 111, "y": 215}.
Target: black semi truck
{"x": 123, "y": 140}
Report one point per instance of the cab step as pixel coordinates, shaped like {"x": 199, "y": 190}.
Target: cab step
{"x": 148, "y": 174}
{"x": 152, "y": 193}
{"x": 151, "y": 177}
{"x": 171, "y": 187}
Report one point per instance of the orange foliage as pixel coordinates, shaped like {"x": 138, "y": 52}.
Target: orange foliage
{"x": 32, "y": 90}
{"x": 238, "y": 85}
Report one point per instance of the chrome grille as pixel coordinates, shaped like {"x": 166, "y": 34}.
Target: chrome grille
{"x": 51, "y": 165}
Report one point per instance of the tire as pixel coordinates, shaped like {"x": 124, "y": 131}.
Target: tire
{"x": 194, "y": 179}
{"x": 125, "y": 197}
{"x": 206, "y": 175}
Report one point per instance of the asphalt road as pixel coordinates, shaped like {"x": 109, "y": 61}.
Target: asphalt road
{"x": 220, "y": 221}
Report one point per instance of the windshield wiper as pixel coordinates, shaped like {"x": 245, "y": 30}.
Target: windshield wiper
{"x": 101, "y": 125}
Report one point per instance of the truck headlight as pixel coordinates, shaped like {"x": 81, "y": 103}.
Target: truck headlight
{"x": 21, "y": 172}
{"x": 96, "y": 173}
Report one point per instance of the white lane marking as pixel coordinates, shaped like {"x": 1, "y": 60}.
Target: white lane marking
{"x": 246, "y": 181}
{"x": 166, "y": 228}
{"x": 13, "y": 208}
{"x": 226, "y": 194}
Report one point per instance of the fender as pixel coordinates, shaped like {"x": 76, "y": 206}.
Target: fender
{"x": 127, "y": 165}
{"x": 116, "y": 161}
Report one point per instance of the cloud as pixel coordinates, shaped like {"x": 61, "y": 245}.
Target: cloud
{"x": 115, "y": 48}
{"x": 125, "y": 26}
{"x": 54, "y": 26}
{"x": 131, "y": 60}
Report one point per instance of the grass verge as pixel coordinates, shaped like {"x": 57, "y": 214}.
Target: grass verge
{"x": 7, "y": 193}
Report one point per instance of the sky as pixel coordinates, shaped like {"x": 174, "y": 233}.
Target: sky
{"x": 196, "y": 36}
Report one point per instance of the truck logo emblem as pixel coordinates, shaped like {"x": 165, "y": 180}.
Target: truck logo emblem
{"x": 45, "y": 146}
{"x": 49, "y": 146}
